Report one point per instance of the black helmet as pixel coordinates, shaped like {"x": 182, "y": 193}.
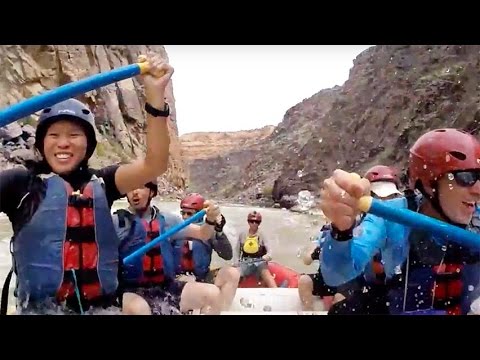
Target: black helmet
{"x": 152, "y": 185}
{"x": 68, "y": 109}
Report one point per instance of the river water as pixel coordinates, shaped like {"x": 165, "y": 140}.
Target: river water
{"x": 288, "y": 233}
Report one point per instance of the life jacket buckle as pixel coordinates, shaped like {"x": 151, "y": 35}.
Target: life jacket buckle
{"x": 79, "y": 201}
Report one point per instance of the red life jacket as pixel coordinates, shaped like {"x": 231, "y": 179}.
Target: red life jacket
{"x": 80, "y": 250}
{"x": 378, "y": 269}
{"x": 153, "y": 266}
{"x": 448, "y": 287}
{"x": 188, "y": 265}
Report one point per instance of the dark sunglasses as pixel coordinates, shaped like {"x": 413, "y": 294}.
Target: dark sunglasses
{"x": 465, "y": 178}
{"x": 254, "y": 222}
{"x": 186, "y": 212}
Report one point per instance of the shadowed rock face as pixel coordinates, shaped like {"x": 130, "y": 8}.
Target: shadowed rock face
{"x": 393, "y": 95}
{"x": 27, "y": 70}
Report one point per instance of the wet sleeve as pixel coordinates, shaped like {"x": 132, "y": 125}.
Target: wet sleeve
{"x": 13, "y": 186}
{"x": 172, "y": 220}
{"x": 342, "y": 261}
{"x": 222, "y": 245}
{"x": 316, "y": 253}
{"x": 108, "y": 176}
{"x": 236, "y": 252}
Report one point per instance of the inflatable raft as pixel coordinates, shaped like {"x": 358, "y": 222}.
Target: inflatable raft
{"x": 284, "y": 276}
{"x": 270, "y": 301}
{"x": 253, "y": 298}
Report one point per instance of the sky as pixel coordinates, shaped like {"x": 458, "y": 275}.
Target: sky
{"x": 233, "y": 87}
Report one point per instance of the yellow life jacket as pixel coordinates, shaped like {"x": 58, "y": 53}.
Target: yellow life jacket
{"x": 251, "y": 245}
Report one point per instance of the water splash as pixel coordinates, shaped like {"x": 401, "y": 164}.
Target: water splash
{"x": 305, "y": 200}
{"x": 246, "y": 303}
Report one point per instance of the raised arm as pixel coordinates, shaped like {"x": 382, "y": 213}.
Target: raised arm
{"x": 134, "y": 175}
{"x": 207, "y": 230}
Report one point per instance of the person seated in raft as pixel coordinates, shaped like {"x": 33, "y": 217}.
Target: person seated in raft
{"x": 60, "y": 207}
{"x": 147, "y": 284}
{"x": 365, "y": 293}
{"x": 426, "y": 273}
{"x": 193, "y": 256}
{"x": 253, "y": 251}
{"x": 310, "y": 285}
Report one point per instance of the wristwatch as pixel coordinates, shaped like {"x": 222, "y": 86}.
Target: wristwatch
{"x": 211, "y": 223}
{"x": 157, "y": 113}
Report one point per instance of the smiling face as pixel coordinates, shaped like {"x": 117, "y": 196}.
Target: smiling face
{"x": 64, "y": 146}
{"x": 458, "y": 196}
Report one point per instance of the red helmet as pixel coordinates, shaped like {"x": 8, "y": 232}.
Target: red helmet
{"x": 439, "y": 152}
{"x": 193, "y": 201}
{"x": 254, "y": 215}
{"x": 382, "y": 173}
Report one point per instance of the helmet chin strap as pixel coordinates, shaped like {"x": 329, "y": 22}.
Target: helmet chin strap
{"x": 147, "y": 206}
{"x": 435, "y": 201}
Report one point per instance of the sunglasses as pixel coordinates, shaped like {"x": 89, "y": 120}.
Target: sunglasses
{"x": 465, "y": 178}
{"x": 254, "y": 222}
{"x": 186, "y": 212}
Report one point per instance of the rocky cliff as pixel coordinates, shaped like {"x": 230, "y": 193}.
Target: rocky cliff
{"x": 27, "y": 70}
{"x": 204, "y": 145}
{"x": 392, "y": 96}
{"x": 216, "y": 160}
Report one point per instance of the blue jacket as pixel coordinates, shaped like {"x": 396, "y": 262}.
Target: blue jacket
{"x": 343, "y": 261}
{"x": 201, "y": 253}
{"x": 324, "y": 234}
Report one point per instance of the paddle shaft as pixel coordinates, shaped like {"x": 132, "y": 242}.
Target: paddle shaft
{"x": 420, "y": 221}
{"x": 163, "y": 236}
{"x": 67, "y": 91}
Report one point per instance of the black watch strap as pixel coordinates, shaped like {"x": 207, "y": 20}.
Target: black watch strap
{"x": 342, "y": 235}
{"x": 212, "y": 223}
{"x": 157, "y": 113}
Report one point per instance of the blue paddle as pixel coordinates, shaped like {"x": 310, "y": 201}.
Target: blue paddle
{"x": 67, "y": 91}
{"x": 416, "y": 220}
{"x": 164, "y": 236}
